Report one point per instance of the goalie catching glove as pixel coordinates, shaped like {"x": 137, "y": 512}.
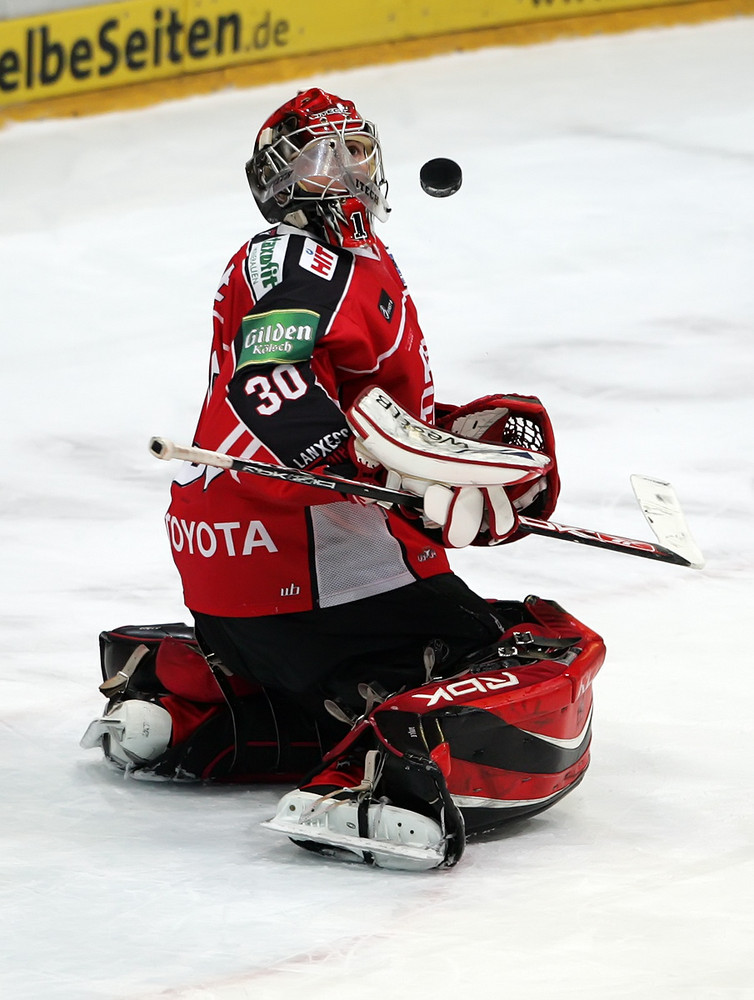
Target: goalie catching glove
{"x": 518, "y": 422}
{"x": 471, "y": 485}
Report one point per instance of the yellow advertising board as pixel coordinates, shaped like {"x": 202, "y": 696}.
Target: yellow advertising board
{"x": 93, "y": 48}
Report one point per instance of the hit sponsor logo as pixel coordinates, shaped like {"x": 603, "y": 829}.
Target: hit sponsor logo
{"x": 318, "y": 259}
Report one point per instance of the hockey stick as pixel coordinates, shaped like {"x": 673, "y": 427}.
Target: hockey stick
{"x": 657, "y": 500}
{"x": 165, "y": 449}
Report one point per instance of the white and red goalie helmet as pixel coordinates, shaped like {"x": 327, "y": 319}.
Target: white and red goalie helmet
{"x": 318, "y": 162}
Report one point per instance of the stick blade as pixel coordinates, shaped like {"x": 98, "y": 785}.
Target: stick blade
{"x": 662, "y": 509}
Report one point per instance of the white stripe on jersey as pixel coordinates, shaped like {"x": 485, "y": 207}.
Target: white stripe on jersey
{"x": 391, "y": 350}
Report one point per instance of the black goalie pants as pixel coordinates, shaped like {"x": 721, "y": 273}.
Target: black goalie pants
{"x": 327, "y": 652}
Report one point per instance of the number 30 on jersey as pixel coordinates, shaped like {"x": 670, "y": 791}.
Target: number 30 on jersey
{"x": 286, "y": 382}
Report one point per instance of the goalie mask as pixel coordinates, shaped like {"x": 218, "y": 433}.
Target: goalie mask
{"x": 317, "y": 163}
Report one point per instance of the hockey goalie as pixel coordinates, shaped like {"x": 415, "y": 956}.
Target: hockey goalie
{"x": 332, "y": 649}
{"x": 396, "y": 777}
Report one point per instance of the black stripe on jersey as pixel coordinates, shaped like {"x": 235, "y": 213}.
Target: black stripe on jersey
{"x": 287, "y": 408}
{"x": 316, "y": 285}
{"x": 312, "y": 550}
{"x": 283, "y": 403}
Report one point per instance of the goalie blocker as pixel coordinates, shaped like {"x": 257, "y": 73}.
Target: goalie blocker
{"x": 475, "y": 469}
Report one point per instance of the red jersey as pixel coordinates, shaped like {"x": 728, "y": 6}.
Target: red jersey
{"x": 300, "y": 329}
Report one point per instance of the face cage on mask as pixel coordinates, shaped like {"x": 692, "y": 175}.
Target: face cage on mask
{"x": 275, "y": 155}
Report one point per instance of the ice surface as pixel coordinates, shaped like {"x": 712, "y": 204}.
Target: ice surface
{"x": 599, "y": 254}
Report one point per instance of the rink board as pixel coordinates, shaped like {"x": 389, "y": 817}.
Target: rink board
{"x": 137, "y": 51}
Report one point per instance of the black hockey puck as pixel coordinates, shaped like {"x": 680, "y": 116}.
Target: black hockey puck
{"x": 440, "y": 177}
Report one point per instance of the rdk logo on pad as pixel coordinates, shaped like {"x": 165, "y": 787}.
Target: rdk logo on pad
{"x": 318, "y": 259}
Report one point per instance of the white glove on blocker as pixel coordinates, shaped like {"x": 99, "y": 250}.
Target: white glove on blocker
{"x": 460, "y": 480}
{"x": 463, "y": 511}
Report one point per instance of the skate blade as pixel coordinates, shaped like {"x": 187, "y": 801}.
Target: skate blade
{"x": 404, "y": 857}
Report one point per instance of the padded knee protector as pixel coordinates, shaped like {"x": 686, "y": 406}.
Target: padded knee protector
{"x": 130, "y": 733}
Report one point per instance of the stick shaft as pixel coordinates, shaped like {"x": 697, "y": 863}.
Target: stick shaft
{"x": 166, "y": 450}
{"x": 603, "y": 540}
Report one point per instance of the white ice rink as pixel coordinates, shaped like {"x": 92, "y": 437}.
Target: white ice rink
{"x": 599, "y": 254}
